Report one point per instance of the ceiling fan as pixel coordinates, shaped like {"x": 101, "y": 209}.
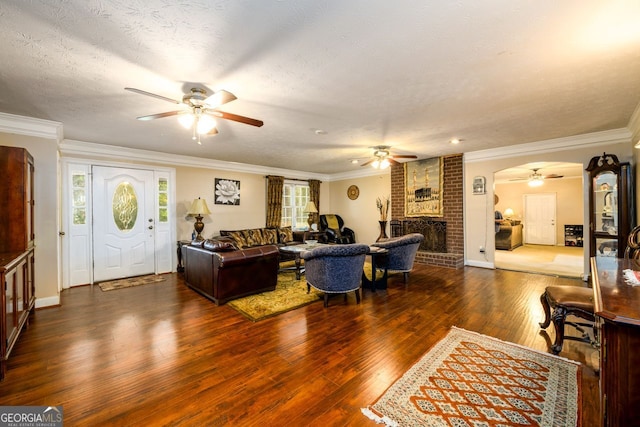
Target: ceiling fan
{"x": 201, "y": 111}
{"x": 382, "y": 157}
{"x": 535, "y": 179}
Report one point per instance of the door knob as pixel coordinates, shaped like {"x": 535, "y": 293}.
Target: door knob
{"x": 151, "y": 227}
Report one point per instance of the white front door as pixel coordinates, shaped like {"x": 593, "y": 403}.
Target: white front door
{"x": 540, "y": 219}
{"x": 123, "y": 222}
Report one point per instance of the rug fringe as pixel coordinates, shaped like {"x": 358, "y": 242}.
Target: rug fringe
{"x": 378, "y": 419}
{"x": 519, "y": 346}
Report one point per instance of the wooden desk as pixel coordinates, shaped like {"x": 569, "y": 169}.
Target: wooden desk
{"x": 617, "y": 307}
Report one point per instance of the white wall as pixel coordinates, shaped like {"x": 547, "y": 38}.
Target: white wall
{"x": 361, "y": 215}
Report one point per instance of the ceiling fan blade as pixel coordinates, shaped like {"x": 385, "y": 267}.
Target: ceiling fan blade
{"x": 393, "y": 162}
{"x": 367, "y": 162}
{"x": 553, "y": 175}
{"x": 159, "y": 115}
{"x": 404, "y": 156}
{"x": 142, "y": 92}
{"x": 236, "y": 118}
{"x": 220, "y": 97}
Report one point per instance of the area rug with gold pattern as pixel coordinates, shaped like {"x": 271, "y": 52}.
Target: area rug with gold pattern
{"x": 469, "y": 379}
{"x": 130, "y": 281}
{"x": 288, "y": 295}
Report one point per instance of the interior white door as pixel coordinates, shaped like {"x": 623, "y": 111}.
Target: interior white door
{"x": 540, "y": 219}
{"x": 123, "y": 222}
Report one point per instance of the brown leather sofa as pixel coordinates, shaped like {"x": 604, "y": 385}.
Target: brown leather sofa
{"x": 221, "y": 272}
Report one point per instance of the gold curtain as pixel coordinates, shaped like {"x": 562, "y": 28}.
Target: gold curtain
{"x": 274, "y": 200}
{"x": 314, "y": 194}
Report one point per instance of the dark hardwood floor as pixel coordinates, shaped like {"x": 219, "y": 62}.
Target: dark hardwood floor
{"x": 161, "y": 354}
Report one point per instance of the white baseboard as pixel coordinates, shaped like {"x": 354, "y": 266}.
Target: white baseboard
{"x": 481, "y": 264}
{"x": 48, "y": 301}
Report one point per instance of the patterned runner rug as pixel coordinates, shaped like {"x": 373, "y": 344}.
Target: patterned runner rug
{"x": 130, "y": 281}
{"x": 469, "y": 379}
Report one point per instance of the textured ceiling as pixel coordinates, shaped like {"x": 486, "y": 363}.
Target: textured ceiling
{"x": 410, "y": 74}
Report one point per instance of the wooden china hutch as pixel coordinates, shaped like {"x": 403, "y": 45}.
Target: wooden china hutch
{"x": 610, "y": 209}
{"x": 17, "y": 260}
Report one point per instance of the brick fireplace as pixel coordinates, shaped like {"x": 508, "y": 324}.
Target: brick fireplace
{"x": 446, "y": 246}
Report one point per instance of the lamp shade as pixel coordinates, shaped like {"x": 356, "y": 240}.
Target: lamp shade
{"x": 508, "y": 212}
{"x": 311, "y": 208}
{"x": 199, "y": 207}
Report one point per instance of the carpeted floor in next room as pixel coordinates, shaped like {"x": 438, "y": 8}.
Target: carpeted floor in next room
{"x": 565, "y": 261}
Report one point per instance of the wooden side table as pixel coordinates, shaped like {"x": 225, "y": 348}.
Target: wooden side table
{"x": 378, "y": 260}
{"x": 180, "y": 267}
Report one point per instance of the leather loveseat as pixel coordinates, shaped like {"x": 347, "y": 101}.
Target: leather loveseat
{"x": 220, "y": 271}
{"x": 255, "y": 237}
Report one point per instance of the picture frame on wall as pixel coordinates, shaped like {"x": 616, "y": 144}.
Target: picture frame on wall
{"x": 479, "y": 185}
{"x": 227, "y": 192}
{"x": 423, "y": 187}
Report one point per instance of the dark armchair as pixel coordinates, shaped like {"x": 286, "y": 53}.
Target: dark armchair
{"x": 402, "y": 252}
{"x": 333, "y": 226}
{"x": 335, "y": 269}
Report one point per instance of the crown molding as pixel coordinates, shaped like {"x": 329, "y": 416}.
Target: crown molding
{"x": 614, "y": 136}
{"x": 69, "y": 147}
{"x": 22, "y": 125}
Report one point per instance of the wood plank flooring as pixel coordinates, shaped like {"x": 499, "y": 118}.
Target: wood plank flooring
{"x": 160, "y": 354}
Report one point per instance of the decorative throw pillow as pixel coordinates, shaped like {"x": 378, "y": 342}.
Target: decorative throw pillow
{"x": 253, "y": 236}
{"x": 238, "y": 237}
{"x": 269, "y": 236}
{"x": 285, "y": 234}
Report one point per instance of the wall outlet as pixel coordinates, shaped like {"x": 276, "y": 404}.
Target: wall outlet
{"x": 481, "y": 249}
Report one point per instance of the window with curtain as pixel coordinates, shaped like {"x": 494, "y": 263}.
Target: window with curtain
{"x": 295, "y": 196}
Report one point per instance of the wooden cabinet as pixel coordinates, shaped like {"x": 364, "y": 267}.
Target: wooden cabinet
{"x": 609, "y": 206}
{"x": 17, "y": 236}
{"x": 617, "y": 309}
{"x": 16, "y": 193}
{"x": 18, "y": 299}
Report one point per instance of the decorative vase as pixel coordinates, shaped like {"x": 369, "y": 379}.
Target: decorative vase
{"x": 383, "y": 231}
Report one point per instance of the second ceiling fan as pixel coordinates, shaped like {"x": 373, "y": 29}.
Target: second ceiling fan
{"x": 382, "y": 157}
{"x": 201, "y": 112}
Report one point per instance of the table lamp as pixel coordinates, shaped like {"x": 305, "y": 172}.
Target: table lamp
{"x": 311, "y": 209}
{"x": 199, "y": 208}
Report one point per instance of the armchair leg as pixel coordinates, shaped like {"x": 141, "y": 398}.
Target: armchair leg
{"x": 358, "y": 296}
{"x": 326, "y": 300}
{"x": 406, "y": 277}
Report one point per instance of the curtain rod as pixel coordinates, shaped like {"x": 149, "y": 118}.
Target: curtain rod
{"x": 292, "y": 179}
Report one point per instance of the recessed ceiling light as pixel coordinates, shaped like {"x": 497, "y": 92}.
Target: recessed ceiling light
{"x": 354, "y": 161}
{"x": 320, "y": 132}
{"x": 455, "y": 141}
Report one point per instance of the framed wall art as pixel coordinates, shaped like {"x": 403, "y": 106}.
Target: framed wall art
{"x": 227, "y": 192}
{"x": 423, "y": 187}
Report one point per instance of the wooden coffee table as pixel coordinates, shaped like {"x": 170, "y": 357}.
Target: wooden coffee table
{"x": 296, "y": 250}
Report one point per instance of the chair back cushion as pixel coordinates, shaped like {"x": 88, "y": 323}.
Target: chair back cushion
{"x": 335, "y": 268}
{"x": 402, "y": 251}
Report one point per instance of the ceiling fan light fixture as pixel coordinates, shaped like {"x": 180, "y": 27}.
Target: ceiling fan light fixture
{"x": 535, "y": 180}
{"x": 376, "y": 164}
{"x": 205, "y": 124}
{"x": 186, "y": 120}
{"x": 384, "y": 163}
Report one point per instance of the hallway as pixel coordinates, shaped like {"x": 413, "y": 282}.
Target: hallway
{"x": 564, "y": 261}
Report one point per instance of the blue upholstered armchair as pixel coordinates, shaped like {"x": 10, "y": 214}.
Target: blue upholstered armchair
{"x": 335, "y": 269}
{"x": 402, "y": 252}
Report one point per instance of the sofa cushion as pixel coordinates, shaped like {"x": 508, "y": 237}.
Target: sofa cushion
{"x": 285, "y": 235}
{"x": 270, "y": 236}
{"x": 238, "y": 237}
{"x": 253, "y": 236}
{"x": 221, "y": 245}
